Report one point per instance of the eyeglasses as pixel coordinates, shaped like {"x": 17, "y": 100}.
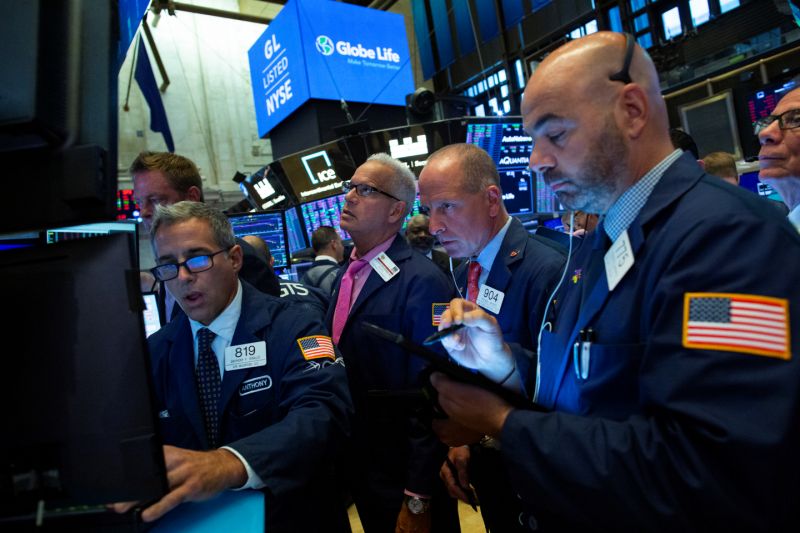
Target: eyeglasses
{"x": 788, "y": 120}
{"x": 198, "y": 263}
{"x": 364, "y": 190}
{"x": 624, "y": 74}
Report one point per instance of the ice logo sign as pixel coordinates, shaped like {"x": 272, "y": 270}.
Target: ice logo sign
{"x": 324, "y": 45}
{"x": 318, "y": 167}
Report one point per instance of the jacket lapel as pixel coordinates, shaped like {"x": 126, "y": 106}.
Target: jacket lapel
{"x": 181, "y": 363}
{"x": 512, "y": 249}
{"x": 253, "y": 320}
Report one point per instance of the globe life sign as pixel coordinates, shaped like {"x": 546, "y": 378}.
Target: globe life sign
{"x": 352, "y": 53}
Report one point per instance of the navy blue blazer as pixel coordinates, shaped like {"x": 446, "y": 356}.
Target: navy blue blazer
{"x": 660, "y": 436}
{"x": 402, "y": 304}
{"x": 287, "y": 418}
{"x": 526, "y": 269}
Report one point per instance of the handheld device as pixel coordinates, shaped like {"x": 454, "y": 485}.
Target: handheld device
{"x": 437, "y": 363}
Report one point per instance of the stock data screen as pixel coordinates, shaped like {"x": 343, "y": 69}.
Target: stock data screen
{"x": 269, "y": 226}
{"x": 761, "y": 103}
{"x": 297, "y": 238}
{"x": 510, "y": 148}
{"x": 324, "y": 212}
{"x": 126, "y": 205}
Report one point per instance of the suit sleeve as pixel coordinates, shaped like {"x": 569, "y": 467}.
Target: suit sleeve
{"x": 714, "y": 445}
{"x": 426, "y": 453}
{"x": 315, "y": 411}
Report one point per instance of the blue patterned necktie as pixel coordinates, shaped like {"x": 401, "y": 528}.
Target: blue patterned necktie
{"x": 209, "y": 384}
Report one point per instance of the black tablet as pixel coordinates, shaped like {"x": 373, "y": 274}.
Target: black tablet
{"x": 451, "y": 369}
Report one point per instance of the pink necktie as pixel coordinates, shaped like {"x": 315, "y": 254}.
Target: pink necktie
{"x": 473, "y": 275}
{"x": 345, "y": 295}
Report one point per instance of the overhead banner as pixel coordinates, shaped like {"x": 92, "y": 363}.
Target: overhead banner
{"x": 330, "y": 51}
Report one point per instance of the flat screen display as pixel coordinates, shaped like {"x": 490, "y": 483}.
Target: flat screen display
{"x": 79, "y": 425}
{"x": 294, "y": 231}
{"x": 269, "y": 225}
{"x": 317, "y": 173}
{"x": 152, "y": 319}
{"x": 97, "y": 229}
{"x": 325, "y": 212}
{"x": 510, "y": 148}
{"x": 762, "y": 102}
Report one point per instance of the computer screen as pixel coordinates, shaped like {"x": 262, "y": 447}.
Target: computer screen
{"x": 152, "y": 319}
{"x": 98, "y": 229}
{"x": 75, "y": 398}
{"x": 318, "y": 172}
{"x": 324, "y": 212}
{"x": 126, "y": 205}
{"x": 19, "y": 240}
{"x": 268, "y": 225}
{"x": 762, "y": 102}
{"x": 546, "y": 201}
{"x": 510, "y": 148}
{"x": 750, "y": 181}
{"x": 294, "y": 231}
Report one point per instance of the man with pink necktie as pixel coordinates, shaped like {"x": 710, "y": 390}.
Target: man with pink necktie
{"x": 394, "y": 465}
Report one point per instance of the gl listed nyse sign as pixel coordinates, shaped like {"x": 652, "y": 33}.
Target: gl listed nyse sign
{"x": 277, "y": 84}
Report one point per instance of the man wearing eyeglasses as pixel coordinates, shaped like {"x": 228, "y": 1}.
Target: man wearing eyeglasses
{"x": 250, "y": 391}
{"x": 779, "y": 158}
{"x": 669, "y": 370}
{"x": 395, "y": 456}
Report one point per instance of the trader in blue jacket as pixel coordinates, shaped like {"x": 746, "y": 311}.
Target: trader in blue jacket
{"x": 670, "y": 368}
{"x": 245, "y": 377}
{"x": 395, "y": 456}
{"x": 510, "y": 273}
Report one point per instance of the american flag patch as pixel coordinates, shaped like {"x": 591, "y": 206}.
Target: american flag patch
{"x": 316, "y": 346}
{"x": 437, "y": 310}
{"x": 737, "y": 323}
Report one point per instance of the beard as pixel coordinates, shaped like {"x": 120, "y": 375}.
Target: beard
{"x": 595, "y": 182}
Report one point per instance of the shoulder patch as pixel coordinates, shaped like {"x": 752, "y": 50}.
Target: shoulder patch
{"x": 746, "y": 323}
{"x": 437, "y": 310}
{"x": 316, "y": 347}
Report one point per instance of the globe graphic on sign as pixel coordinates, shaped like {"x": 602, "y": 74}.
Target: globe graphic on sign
{"x": 324, "y": 45}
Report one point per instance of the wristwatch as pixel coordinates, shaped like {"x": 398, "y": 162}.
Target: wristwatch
{"x": 417, "y": 505}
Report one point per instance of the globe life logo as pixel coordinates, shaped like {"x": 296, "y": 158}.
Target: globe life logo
{"x": 324, "y": 45}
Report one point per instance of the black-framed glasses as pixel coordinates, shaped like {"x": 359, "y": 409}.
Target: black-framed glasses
{"x": 198, "y": 263}
{"x": 788, "y": 120}
{"x": 624, "y": 74}
{"x": 364, "y": 190}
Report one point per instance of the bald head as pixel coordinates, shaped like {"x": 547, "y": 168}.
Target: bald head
{"x": 595, "y": 133}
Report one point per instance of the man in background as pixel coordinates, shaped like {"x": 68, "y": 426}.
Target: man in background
{"x": 250, "y": 392}
{"x": 328, "y": 255}
{"x": 164, "y": 178}
{"x": 421, "y": 240}
{"x": 779, "y": 158}
{"x": 582, "y": 222}
{"x": 395, "y": 456}
{"x": 722, "y": 165}
{"x": 510, "y": 273}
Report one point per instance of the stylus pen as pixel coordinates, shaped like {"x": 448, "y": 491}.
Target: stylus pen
{"x": 439, "y": 335}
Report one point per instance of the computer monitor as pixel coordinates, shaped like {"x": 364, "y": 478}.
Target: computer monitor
{"x": 79, "y": 425}
{"x": 294, "y": 231}
{"x": 83, "y": 231}
{"x": 270, "y": 226}
{"x": 324, "y": 212}
{"x": 762, "y": 102}
{"x": 150, "y": 313}
{"x": 126, "y": 205}
{"x": 750, "y": 181}
{"x": 510, "y": 148}
{"x": 20, "y": 240}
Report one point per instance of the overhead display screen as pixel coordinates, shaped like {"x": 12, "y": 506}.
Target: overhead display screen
{"x": 318, "y": 172}
{"x": 307, "y": 52}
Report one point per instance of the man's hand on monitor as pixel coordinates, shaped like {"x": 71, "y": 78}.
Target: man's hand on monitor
{"x": 196, "y": 476}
